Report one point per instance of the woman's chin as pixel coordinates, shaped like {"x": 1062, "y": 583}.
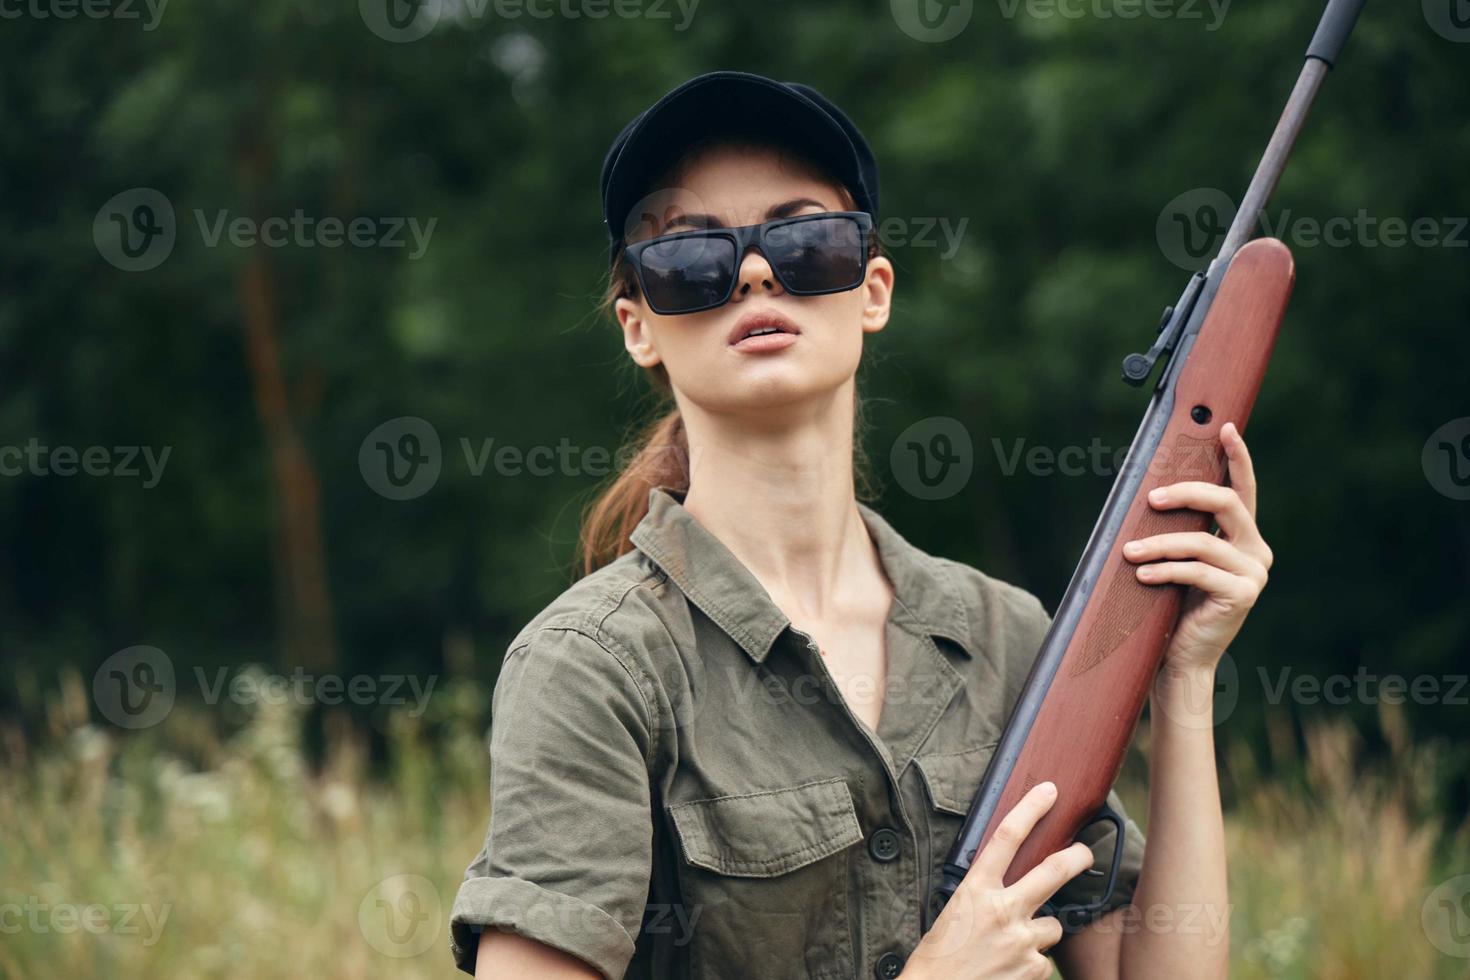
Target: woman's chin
{"x": 773, "y": 392}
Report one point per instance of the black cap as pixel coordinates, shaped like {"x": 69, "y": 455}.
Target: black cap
{"x": 736, "y": 103}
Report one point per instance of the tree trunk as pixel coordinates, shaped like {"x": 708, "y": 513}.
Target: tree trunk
{"x": 303, "y": 601}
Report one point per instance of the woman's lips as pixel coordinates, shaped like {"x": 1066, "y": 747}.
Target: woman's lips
{"x": 764, "y": 342}
{"x": 763, "y": 331}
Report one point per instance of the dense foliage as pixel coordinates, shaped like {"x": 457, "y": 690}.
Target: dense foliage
{"x": 1030, "y": 163}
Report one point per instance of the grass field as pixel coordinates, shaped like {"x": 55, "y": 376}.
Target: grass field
{"x": 177, "y": 853}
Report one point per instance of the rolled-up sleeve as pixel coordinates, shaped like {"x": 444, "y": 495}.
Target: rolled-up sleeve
{"x": 568, "y": 854}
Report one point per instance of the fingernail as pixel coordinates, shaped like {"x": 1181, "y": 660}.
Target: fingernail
{"x": 1146, "y": 571}
{"x": 1132, "y": 548}
{"x": 1157, "y": 495}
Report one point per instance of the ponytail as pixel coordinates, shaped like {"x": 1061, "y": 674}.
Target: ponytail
{"x": 662, "y": 460}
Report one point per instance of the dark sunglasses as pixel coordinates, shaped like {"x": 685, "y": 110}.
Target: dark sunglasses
{"x": 811, "y": 254}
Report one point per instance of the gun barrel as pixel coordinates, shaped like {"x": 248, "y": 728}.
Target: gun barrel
{"x": 1333, "y": 30}
{"x": 1332, "y": 33}
{"x": 1273, "y": 161}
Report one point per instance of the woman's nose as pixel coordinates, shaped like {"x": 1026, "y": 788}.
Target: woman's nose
{"x": 756, "y": 276}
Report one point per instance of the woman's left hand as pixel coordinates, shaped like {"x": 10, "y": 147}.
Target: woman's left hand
{"x": 1227, "y": 570}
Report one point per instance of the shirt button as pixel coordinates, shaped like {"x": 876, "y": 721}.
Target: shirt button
{"x": 883, "y": 845}
{"x": 889, "y": 965}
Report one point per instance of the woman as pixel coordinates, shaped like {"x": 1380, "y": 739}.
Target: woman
{"x": 741, "y": 745}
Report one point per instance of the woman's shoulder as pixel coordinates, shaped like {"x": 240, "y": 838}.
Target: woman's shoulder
{"x": 615, "y": 607}
{"x": 1002, "y": 619}
{"x": 1000, "y": 625}
{"x": 991, "y": 595}
{"x": 985, "y": 613}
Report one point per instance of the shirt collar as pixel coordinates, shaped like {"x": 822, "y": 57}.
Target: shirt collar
{"x": 723, "y": 589}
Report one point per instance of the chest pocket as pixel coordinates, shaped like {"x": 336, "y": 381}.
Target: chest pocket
{"x": 951, "y": 780}
{"x": 769, "y": 877}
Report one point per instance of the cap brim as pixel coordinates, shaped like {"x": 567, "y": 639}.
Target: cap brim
{"x": 727, "y": 103}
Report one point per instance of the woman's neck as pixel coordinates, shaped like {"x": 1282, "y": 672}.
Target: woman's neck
{"x": 783, "y": 501}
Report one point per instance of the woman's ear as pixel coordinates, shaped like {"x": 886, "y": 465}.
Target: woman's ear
{"x": 877, "y": 294}
{"x": 637, "y": 338}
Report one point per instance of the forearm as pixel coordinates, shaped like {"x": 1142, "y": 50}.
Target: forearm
{"x": 1180, "y": 923}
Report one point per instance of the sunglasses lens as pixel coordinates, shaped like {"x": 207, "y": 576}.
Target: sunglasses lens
{"x": 685, "y": 274}
{"x": 817, "y": 256}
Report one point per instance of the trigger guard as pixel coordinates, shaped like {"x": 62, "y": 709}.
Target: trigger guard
{"x": 1074, "y": 917}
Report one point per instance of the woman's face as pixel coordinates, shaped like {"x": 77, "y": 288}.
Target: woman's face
{"x": 710, "y": 361}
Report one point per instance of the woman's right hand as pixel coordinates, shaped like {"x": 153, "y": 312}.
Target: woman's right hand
{"x": 988, "y": 930}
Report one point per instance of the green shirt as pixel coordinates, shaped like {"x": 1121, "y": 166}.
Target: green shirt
{"x": 679, "y": 789}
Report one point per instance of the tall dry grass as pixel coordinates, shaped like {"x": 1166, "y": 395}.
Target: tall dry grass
{"x": 240, "y": 861}
{"x": 1331, "y": 872}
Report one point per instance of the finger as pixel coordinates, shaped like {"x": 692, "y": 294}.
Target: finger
{"x": 1220, "y": 585}
{"x": 1242, "y": 470}
{"x": 1198, "y": 545}
{"x": 1048, "y": 931}
{"x": 996, "y": 856}
{"x": 1223, "y": 502}
{"x": 1042, "y": 881}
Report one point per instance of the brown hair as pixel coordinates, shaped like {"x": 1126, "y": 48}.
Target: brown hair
{"x": 660, "y": 451}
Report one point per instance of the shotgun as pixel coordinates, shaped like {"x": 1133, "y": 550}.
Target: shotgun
{"x": 1098, "y": 661}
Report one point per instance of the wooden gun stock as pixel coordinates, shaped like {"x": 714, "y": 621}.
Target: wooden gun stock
{"x": 1083, "y": 699}
{"x": 1084, "y": 696}
{"x": 1089, "y": 712}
